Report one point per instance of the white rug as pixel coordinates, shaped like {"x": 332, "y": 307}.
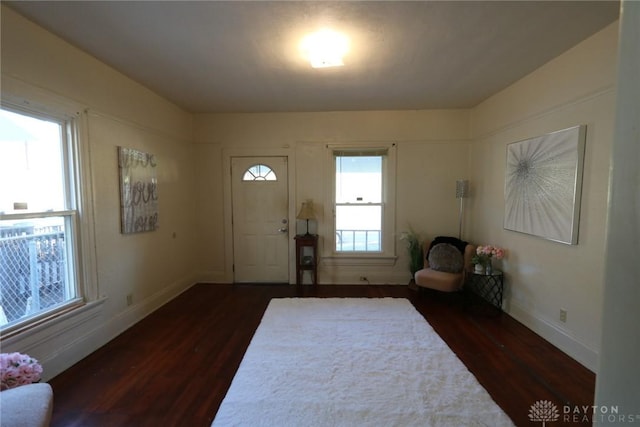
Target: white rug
{"x": 352, "y": 362}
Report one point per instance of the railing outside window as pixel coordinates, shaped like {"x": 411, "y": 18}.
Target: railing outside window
{"x": 33, "y": 274}
{"x": 358, "y": 240}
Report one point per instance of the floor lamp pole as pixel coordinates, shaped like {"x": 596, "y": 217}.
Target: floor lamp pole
{"x": 460, "y": 218}
{"x": 462, "y": 191}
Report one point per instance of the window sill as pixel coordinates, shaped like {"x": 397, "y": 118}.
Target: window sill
{"x": 359, "y": 260}
{"x": 71, "y": 316}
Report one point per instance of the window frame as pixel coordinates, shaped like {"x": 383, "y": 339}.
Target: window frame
{"x": 387, "y": 254}
{"x": 78, "y": 216}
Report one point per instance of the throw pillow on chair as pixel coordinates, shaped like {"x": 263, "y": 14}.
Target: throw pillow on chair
{"x": 446, "y": 257}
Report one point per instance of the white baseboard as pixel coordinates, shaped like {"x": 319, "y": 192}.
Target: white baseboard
{"x": 63, "y": 341}
{"x": 324, "y": 278}
{"x": 218, "y": 277}
{"x": 127, "y": 318}
{"x": 556, "y": 336}
{"x": 353, "y": 278}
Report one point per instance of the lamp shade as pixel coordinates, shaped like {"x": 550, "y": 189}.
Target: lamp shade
{"x": 306, "y": 211}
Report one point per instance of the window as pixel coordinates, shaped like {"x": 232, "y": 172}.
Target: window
{"x": 259, "y": 173}
{"x": 363, "y": 213}
{"x": 38, "y": 216}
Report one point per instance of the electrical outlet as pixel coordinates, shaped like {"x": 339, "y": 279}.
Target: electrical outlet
{"x": 563, "y": 315}
{"x": 129, "y": 299}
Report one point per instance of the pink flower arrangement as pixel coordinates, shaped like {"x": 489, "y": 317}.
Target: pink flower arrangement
{"x": 490, "y": 251}
{"x": 18, "y": 369}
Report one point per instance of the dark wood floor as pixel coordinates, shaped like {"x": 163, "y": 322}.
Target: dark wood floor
{"x": 174, "y": 367}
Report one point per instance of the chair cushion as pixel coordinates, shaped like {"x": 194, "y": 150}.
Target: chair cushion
{"x": 26, "y": 406}
{"x": 438, "y": 280}
{"x": 445, "y": 257}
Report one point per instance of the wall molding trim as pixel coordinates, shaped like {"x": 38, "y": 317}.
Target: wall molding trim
{"x": 545, "y": 112}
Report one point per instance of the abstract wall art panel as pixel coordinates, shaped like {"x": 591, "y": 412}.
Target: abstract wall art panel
{"x": 138, "y": 191}
{"x": 543, "y": 183}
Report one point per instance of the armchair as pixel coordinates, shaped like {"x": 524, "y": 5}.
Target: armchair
{"x": 446, "y": 261}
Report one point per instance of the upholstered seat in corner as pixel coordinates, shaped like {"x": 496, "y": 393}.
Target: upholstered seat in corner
{"x": 26, "y": 406}
{"x": 447, "y": 269}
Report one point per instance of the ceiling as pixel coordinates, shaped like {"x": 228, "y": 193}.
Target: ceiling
{"x": 241, "y": 56}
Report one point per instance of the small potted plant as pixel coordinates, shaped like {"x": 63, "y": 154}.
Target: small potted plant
{"x": 483, "y": 257}
{"x": 478, "y": 264}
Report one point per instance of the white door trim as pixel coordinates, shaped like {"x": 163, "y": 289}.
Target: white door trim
{"x": 227, "y": 155}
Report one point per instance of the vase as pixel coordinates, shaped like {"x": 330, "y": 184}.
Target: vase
{"x": 478, "y": 268}
{"x": 488, "y": 268}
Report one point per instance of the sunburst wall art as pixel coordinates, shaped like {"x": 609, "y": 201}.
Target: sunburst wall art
{"x": 543, "y": 185}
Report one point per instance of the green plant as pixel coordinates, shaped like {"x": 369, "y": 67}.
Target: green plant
{"x": 414, "y": 249}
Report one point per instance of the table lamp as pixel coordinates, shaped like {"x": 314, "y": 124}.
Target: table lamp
{"x": 306, "y": 212}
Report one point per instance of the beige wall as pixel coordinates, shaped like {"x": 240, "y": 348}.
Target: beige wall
{"x": 543, "y": 276}
{"x": 152, "y": 267}
{"x": 432, "y": 152}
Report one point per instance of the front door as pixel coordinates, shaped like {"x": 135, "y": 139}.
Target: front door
{"x": 260, "y": 219}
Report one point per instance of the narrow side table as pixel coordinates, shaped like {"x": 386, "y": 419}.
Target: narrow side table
{"x": 306, "y": 257}
{"x": 489, "y": 287}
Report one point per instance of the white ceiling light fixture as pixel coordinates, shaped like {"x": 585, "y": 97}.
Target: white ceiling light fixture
{"x": 325, "y": 48}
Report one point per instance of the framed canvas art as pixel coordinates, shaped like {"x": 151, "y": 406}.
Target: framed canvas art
{"x": 138, "y": 191}
{"x": 543, "y": 184}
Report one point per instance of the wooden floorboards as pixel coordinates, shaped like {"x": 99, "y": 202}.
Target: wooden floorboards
{"x": 174, "y": 367}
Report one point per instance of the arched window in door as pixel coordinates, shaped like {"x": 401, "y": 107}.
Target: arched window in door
{"x": 259, "y": 173}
